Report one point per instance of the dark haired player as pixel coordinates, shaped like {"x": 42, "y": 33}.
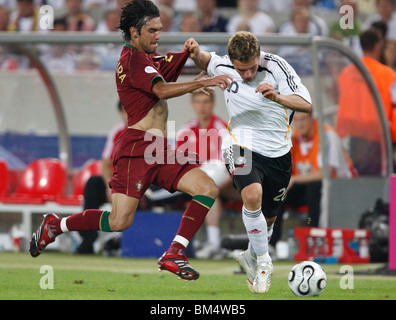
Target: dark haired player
{"x": 144, "y": 82}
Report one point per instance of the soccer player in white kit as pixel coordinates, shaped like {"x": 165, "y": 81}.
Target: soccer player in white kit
{"x": 260, "y": 101}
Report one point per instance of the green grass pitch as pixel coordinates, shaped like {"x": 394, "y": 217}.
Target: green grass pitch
{"x": 79, "y": 277}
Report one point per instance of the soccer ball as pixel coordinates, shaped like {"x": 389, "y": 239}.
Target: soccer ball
{"x": 307, "y": 279}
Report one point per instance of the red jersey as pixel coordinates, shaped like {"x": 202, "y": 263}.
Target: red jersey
{"x": 205, "y": 142}
{"x": 135, "y": 75}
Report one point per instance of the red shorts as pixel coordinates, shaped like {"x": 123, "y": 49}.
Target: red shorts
{"x": 141, "y": 159}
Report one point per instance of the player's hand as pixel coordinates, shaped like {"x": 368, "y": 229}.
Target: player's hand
{"x": 222, "y": 81}
{"x": 192, "y": 46}
{"x": 203, "y": 90}
{"x": 268, "y": 91}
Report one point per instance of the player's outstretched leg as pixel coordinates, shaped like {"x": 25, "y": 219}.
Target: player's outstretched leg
{"x": 52, "y": 226}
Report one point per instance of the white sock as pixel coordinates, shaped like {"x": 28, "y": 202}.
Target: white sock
{"x": 256, "y": 228}
{"x": 63, "y": 225}
{"x": 213, "y": 234}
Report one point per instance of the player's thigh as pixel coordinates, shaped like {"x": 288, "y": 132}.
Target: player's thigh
{"x": 197, "y": 182}
{"x": 123, "y": 211}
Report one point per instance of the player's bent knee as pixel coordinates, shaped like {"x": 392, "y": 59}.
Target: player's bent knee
{"x": 121, "y": 222}
{"x": 252, "y": 195}
{"x": 209, "y": 189}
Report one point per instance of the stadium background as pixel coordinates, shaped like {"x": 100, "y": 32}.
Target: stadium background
{"x": 29, "y": 131}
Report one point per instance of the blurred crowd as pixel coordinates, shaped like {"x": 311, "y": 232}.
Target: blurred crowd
{"x": 289, "y": 17}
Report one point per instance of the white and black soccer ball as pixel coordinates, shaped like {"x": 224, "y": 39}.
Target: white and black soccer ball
{"x": 307, "y": 279}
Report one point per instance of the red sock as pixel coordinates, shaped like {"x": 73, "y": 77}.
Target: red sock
{"x": 190, "y": 223}
{"x": 90, "y": 219}
{"x": 85, "y": 221}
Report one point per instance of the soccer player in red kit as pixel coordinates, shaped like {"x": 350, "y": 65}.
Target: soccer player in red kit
{"x": 144, "y": 81}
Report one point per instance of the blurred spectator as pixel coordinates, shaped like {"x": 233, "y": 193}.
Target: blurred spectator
{"x": 190, "y": 23}
{"x": 250, "y": 19}
{"x": 316, "y": 25}
{"x": 12, "y": 4}
{"x": 298, "y": 56}
{"x": 4, "y": 18}
{"x": 349, "y": 36}
{"x": 8, "y": 60}
{"x": 97, "y": 4}
{"x": 202, "y": 135}
{"x": 25, "y": 18}
{"x": 177, "y": 17}
{"x": 110, "y": 21}
{"x": 57, "y": 57}
{"x": 167, "y": 15}
{"x": 277, "y": 6}
{"x": 178, "y": 5}
{"x": 382, "y": 28}
{"x": 358, "y": 119}
{"x": 109, "y": 53}
{"x": 76, "y": 19}
{"x": 325, "y": 4}
{"x": 367, "y": 7}
{"x": 227, "y": 3}
{"x": 88, "y": 61}
{"x": 305, "y": 187}
{"x": 119, "y": 4}
{"x": 211, "y": 19}
{"x": 390, "y": 54}
{"x": 385, "y": 12}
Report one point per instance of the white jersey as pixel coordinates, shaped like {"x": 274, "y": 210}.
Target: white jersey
{"x": 256, "y": 122}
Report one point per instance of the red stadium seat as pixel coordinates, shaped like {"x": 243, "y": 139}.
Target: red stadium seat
{"x": 4, "y": 178}
{"x": 92, "y": 168}
{"x": 42, "y": 180}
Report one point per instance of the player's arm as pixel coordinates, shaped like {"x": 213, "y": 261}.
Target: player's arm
{"x": 200, "y": 58}
{"x": 294, "y": 101}
{"x": 165, "y": 90}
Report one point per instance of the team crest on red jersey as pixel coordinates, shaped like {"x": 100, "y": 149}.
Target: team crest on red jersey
{"x": 139, "y": 184}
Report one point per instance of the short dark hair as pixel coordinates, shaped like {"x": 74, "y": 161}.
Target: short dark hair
{"x": 381, "y": 27}
{"x": 368, "y": 39}
{"x": 135, "y": 14}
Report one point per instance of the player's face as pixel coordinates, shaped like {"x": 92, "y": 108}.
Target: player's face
{"x": 203, "y": 106}
{"x": 247, "y": 70}
{"x": 150, "y": 35}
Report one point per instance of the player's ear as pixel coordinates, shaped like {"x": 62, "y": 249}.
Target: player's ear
{"x": 134, "y": 33}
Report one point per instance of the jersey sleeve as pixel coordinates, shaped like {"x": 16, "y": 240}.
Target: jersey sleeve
{"x": 143, "y": 73}
{"x": 214, "y": 62}
{"x": 288, "y": 80}
{"x": 172, "y": 64}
